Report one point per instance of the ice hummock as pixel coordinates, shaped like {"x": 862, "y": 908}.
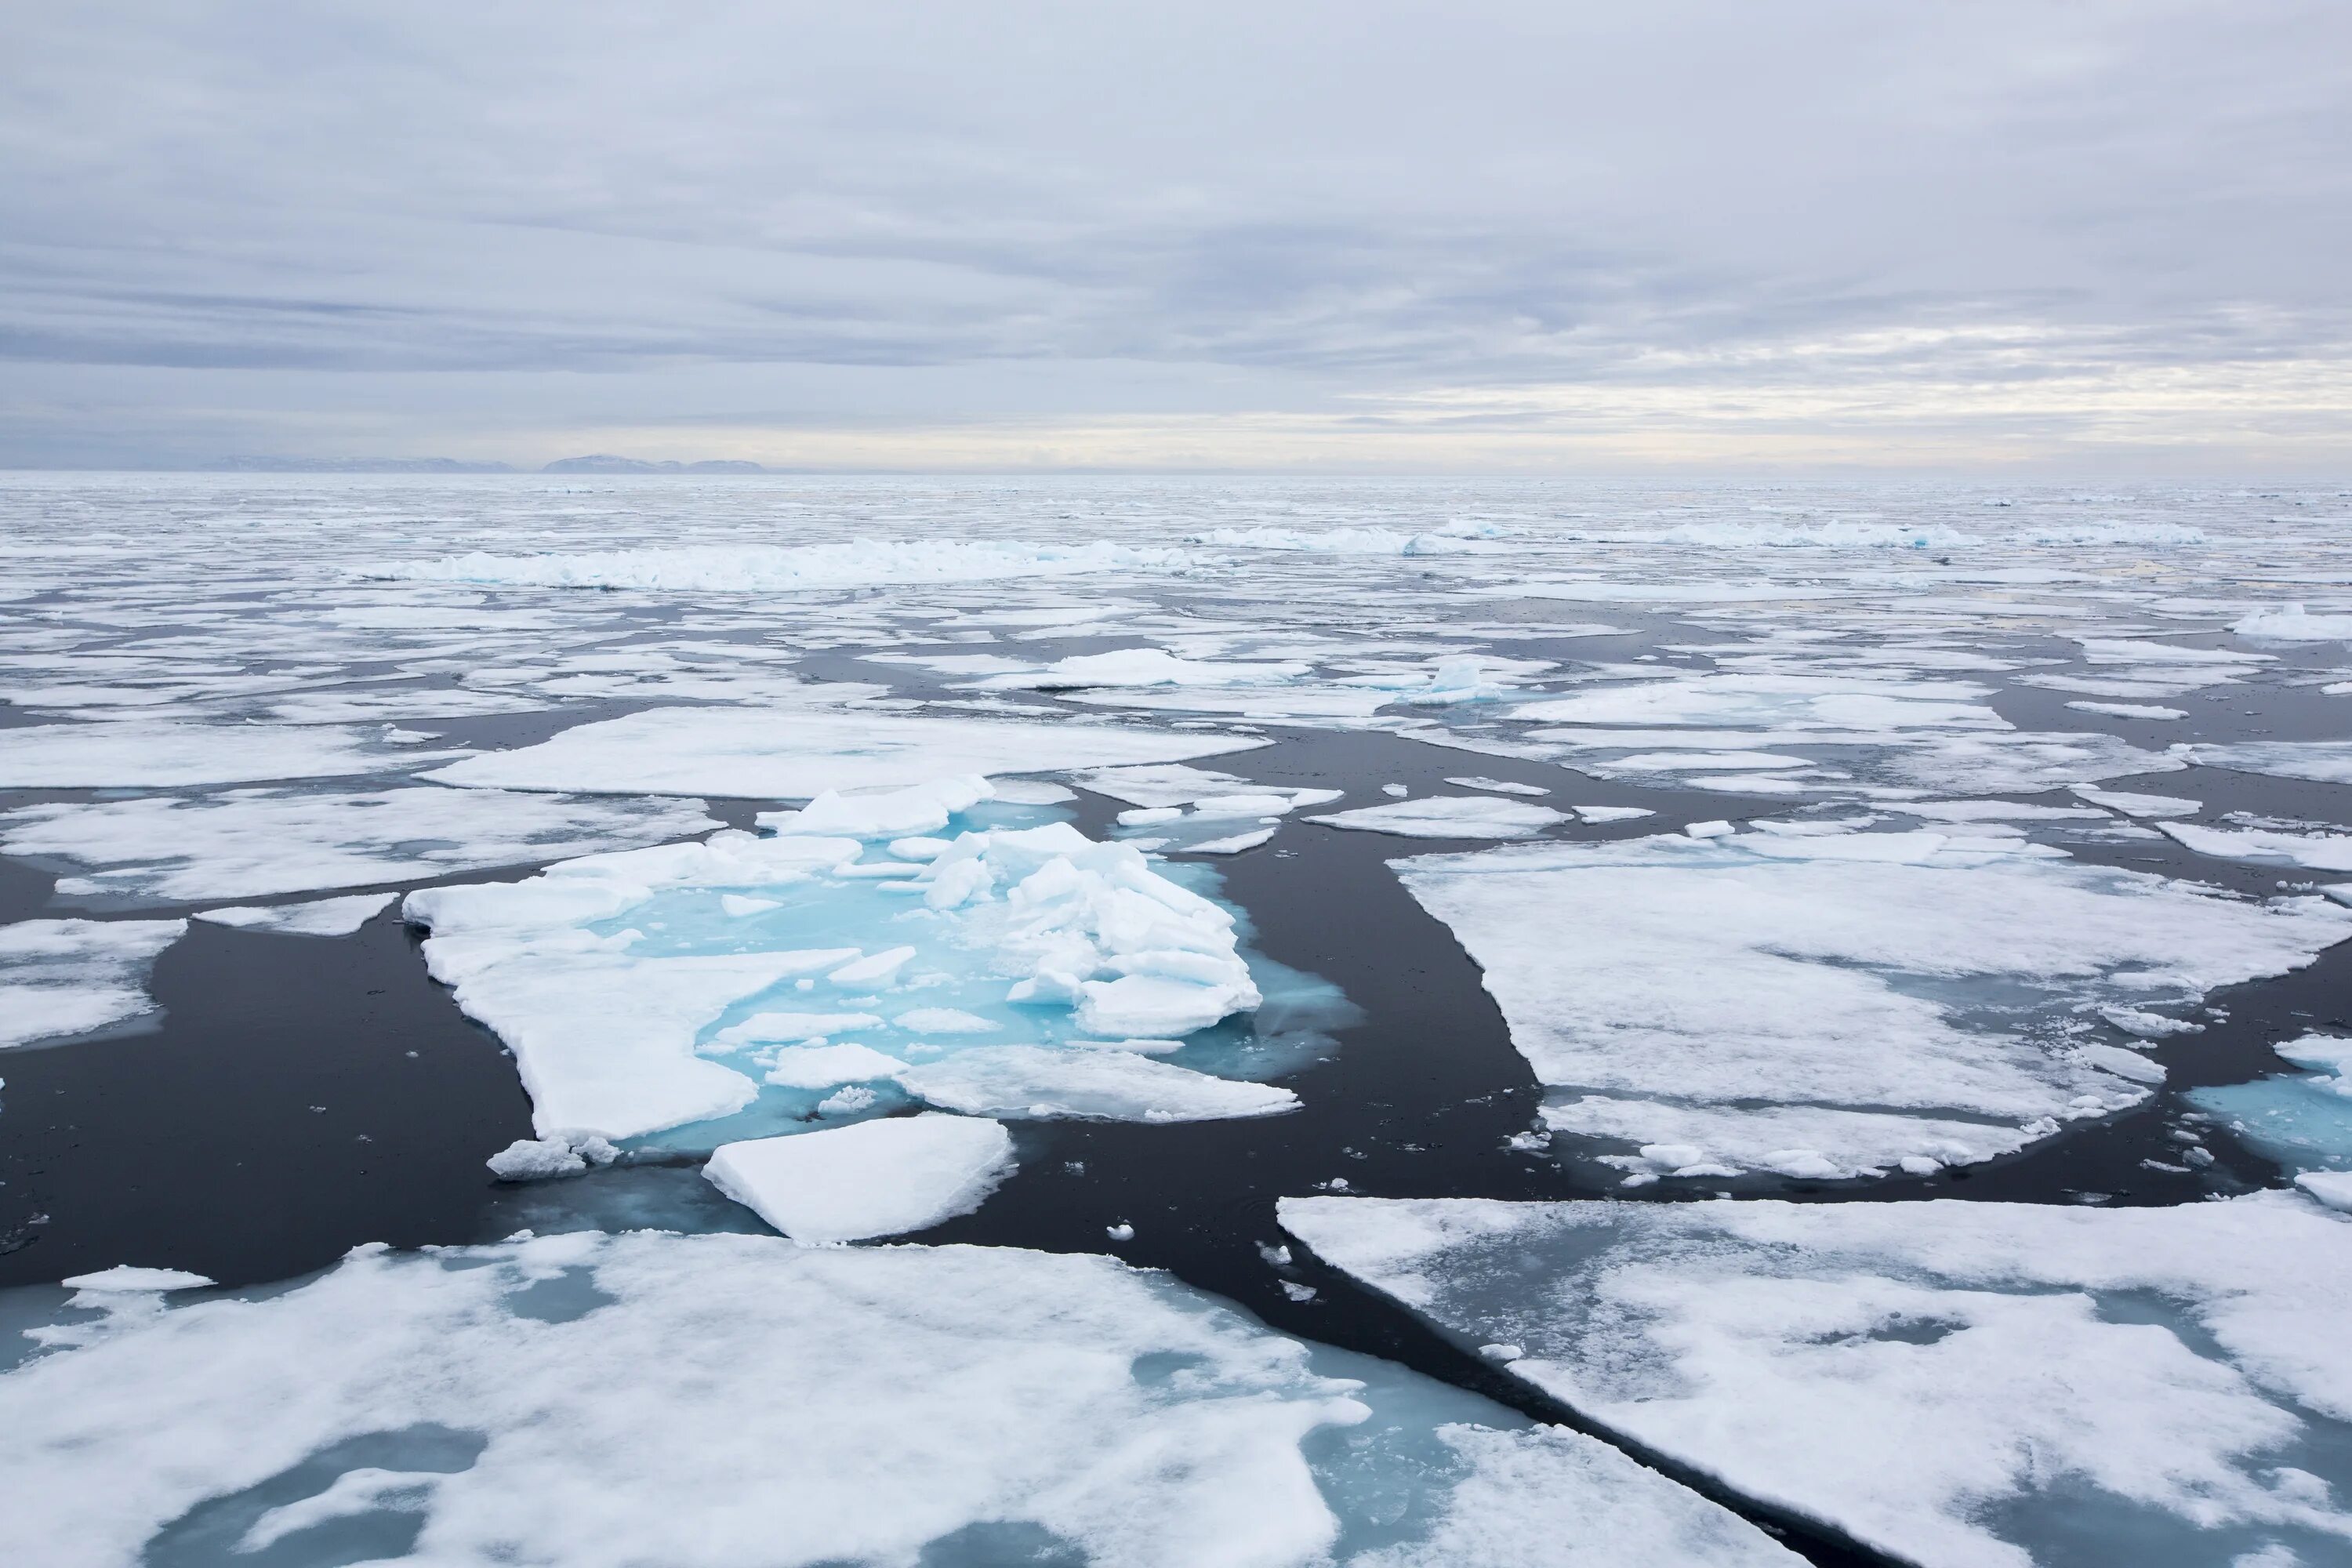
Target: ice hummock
{"x": 636, "y": 1000}
{"x": 1835, "y": 1003}
{"x": 572, "y": 1398}
{"x": 1960, "y": 1384}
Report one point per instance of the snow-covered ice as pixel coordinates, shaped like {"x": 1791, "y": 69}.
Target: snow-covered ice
{"x": 1448, "y": 816}
{"x": 60, "y": 978}
{"x": 2312, "y": 851}
{"x": 1033, "y": 1082}
{"x": 779, "y": 569}
{"x": 890, "y": 1177}
{"x": 320, "y": 917}
{"x": 2324, "y": 762}
{"x": 1961, "y": 1384}
{"x": 127, "y": 753}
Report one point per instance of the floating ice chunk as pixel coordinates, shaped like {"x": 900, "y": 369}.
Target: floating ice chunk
{"x": 1499, "y": 786}
{"x": 1796, "y": 1353}
{"x": 1149, "y": 816}
{"x": 1448, "y": 816}
{"x": 1707, "y": 1140}
{"x": 1031, "y": 1082}
{"x": 252, "y": 842}
{"x": 2019, "y": 763}
{"x": 799, "y": 754}
{"x": 1872, "y": 974}
{"x": 70, "y": 977}
{"x": 2146, "y": 1025}
{"x": 2128, "y": 710}
{"x": 1031, "y": 792}
{"x": 2313, "y": 851}
{"x": 2292, "y": 623}
{"x": 1593, "y": 815}
{"x": 1143, "y": 666}
{"x": 2122, "y": 1063}
{"x": 2132, "y": 805}
{"x": 1793, "y": 703}
{"x": 558, "y": 1155}
{"x": 878, "y": 1178}
{"x": 825, "y": 1066}
{"x": 892, "y": 814}
{"x": 1994, "y": 811}
{"x": 123, "y": 754}
{"x": 127, "y": 1277}
{"x": 321, "y": 917}
{"x": 1231, "y": 844}
{"x": 736, "y": 906}
{"x": 775, "y": 569}
{"x": 760, "y": 1028}
{"x": 1157, "y": 792}
{"x": 2324, "y": 762}
{"x": 2333, "y": 1188}
{"x": 1719, "y": 828}
{"x": 874, "y": 969}
{"x": 945, "y": 1021}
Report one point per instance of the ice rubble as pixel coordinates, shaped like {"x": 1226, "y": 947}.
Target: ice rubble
{"x": 1830, "y": 1005}
{"x": 250, "y": 843}
{"x": 891, "y": 1177}
{"x": 60, "y": 978}
{"x": 124, "y": 754}
{"x": 628, "y": 1012}
{"x": 1448, "y": 816}
{"x": 321, "y": 917}
{"x": 771, "y": 569}
{"x": 894, "y": 1405}
{"x": 798, "y": 755}
{"x": 1888, "y": 1368}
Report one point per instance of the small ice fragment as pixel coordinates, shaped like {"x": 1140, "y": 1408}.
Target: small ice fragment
{"x": 1502, "y": 1352}
{"x": 945, "y": 1021}
{"x": 1122, "y": 1231}
{"x": 1498, "y": 787}
{"x": 2122, "y": 1063}
{"x": 321, "y": 917}
{"x": 735, "y": 906}
{"x": 1234, "y": 844}
{"x": 1920, "y": 1164}
{"x": 2147, "y": 1025}
{"x": 847, "y": 1102}
{"x": 888, "y": 814}
{"x": 1276, "y": 1257}
{"x": 919, "y": 847}
{"x": 562, "y": 1153}
{"x": 1593, "y": 815}
{"x": 2129, "y": 711}
{"x": 1145, "y": 816}
{"x": 1716, "y": 829}
{"x": 1398, "y": 789}
{"x": 875, "y": 969}
{"x": 1298, "y": 1292}
{"x": 127, "y": 1277}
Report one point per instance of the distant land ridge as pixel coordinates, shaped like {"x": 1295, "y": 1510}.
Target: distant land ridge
{"x": 606, "y": 463}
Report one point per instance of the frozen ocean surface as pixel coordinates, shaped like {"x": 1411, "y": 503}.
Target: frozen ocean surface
{"x": 1057, "y": 871}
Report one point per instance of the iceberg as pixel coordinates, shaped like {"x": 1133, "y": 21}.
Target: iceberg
{"x": 1957, "y": 1384}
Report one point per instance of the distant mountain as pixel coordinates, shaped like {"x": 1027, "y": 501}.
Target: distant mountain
{"x": 262, "y": 465}
{"x": 606, "y": 463}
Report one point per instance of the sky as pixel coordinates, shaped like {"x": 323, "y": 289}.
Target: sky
{"x": 1558, "y": 237}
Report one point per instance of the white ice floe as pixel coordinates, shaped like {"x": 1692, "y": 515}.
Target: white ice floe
{"x": 557, "y": 1154}
{"x": 572, "y": 1398}
{"x": 1960, "y": 1384}
{"x": 1594, "y": 591}
{"x": 129, "y": 1276}
{"x": 775, "y": 569}
{"x": 633, "y": 1002}
{"x": 891, "y": 1177}
{"x": 1498, "y": 787}
{"x": 1140, "y": 667}
{"x": 321, "y": 917}
{"x": 1032, "y": 1082}
{"x": 914, "y": 811}
{"x": 1594, "y": 816}
{"x": 2312, "y": 851}
{"x": 2292, "y": 623}
{"x": 2324, "y": 762}
{"x": 1695, "y": 993}
{"x": 2128, "y": 710}
{"x": 60, "y": 978}
{"x": 2132, "y": 805}
{"x": 248, "y": 843}
{"x": 108, "y": 755}
{"x": 1448, "y": 816}
{"x": 798, "y": 753}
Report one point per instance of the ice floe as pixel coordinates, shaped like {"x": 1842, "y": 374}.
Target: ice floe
{"x": 1033, "y": 1083}
{"x": 2292, "y": 623}
{"x": 2312, "y": 851}
{"x": 799, "y": 754}
{"x": 890, "y": 1177}
{"x": 60, "y": 978}
{"x": 1824, "y": 1004}
{"x": 1960, "y": 1384}
{"x": 894, "y": 1405}
{"x": 126, "y": 754}
{"x": 246, "y": 843}
{"x": 321, "y": 917}
{"x": 2324, "y": 762}
{"x": 2301, "y": 1120}
{"x": 775, "y": 569}
{"x": 1448, "y": 816}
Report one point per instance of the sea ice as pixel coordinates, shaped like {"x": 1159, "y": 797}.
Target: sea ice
{"x": 774, "y": 568}
{"x": 2132, "y": 805}
{"x": 1888, "y": 1368}
{"x": 1498, "y": 787}
{"x": 1032, "y": 1082}
{"x": 60, "y": 978}
{"x": 2313, "y": 851}
{"x": 2326, "y": 762}
{"x": 1448, "y": 816}
{"x": 890, "y": 1177}
{"x": 798, "y": 755}
{"x": 250, "y": 843}
{"x": 128, "y": 754}
{"x": 321, "y": 917}
{"x": 915, "y": 810}
{"x": 2292, "y": 623}
{"x": 572, "y": 1398}
{"x": 1793, "y": 702}
{"x": 1864, "y": 976}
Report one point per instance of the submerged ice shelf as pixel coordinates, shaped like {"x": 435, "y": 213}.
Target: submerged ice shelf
{"x": 1835, "y": 1003}
{"x": 572, "y": 1398}
{"x": 1962, "y": 1385}
{"x": 746, "y": 986}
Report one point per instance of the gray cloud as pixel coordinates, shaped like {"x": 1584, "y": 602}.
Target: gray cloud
{"x": 516, "y": 225}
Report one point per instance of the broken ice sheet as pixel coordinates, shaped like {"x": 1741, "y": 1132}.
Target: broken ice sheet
{"x": 2301, "y": 1120}
{"x": 61, "y": 978}
{"x": 1834, "y": 1004}
{"x": 897, "y": 1404}
{"x": 1888, "y": 1369}
{"x": 248, "y": 843}
{"x": 634, "y": 1002}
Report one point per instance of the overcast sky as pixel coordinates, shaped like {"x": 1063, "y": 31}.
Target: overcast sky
{"x": 1549, "y": 236}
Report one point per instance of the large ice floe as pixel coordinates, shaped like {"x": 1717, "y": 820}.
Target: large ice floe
{"x": 798, "y": 753}
{"x": 61, "y": 978}
{"x": 771, "y": 569}
{"x": 1960, "y": 1384}
{"x": 1829, "y": 1005}
{"x": 709, "y": 1402}
{"x": 247, "y": 843}
{"x": 1011, "y": 970}
{"x": 139, "y": 753}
